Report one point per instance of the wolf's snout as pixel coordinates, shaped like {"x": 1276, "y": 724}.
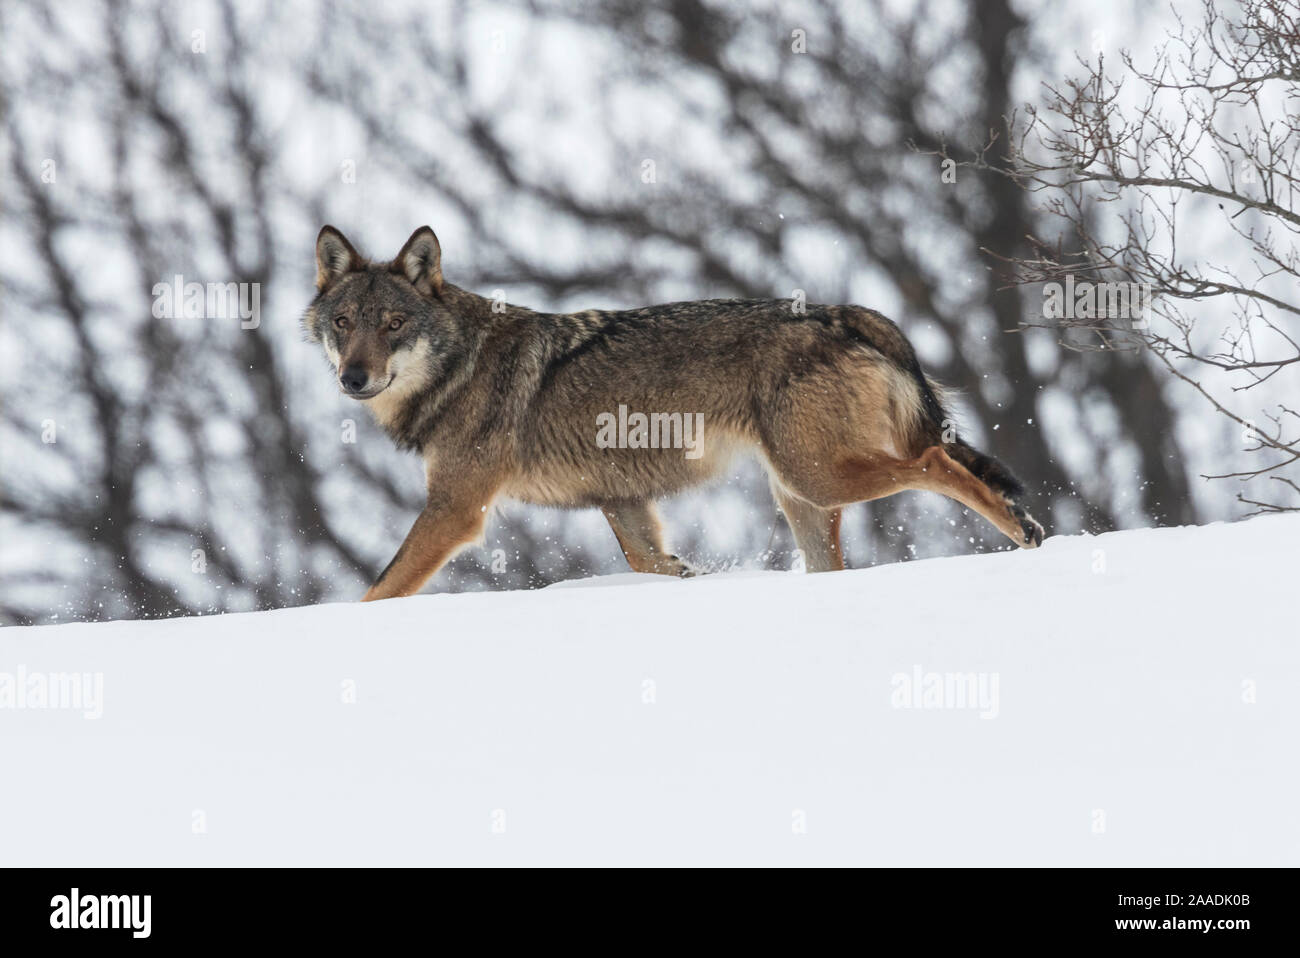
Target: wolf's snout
{"x": 354, "y": 378}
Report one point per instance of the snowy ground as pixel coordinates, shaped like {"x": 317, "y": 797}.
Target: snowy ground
{"x": 1137, "y": 702}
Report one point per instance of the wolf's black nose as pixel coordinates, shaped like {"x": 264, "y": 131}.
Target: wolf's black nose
{"x": 354, "y": 379}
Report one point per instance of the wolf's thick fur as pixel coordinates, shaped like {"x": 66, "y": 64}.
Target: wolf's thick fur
{"x": 503, "y": 401}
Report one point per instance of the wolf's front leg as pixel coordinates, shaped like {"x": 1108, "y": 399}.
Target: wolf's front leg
{"x": 446, "y": 523}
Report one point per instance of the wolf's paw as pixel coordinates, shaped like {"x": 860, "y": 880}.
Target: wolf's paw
{"x": 1029, "y": 527}
{"x": 681, "y": 569}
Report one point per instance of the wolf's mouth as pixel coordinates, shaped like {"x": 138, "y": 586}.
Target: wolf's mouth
{"x": 370, "y": 393}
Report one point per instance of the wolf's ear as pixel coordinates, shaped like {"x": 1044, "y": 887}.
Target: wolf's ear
{"x": 335, "y": 257}
{"x": 420, "y": 261}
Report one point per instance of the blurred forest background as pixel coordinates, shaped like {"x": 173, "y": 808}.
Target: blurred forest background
{"x": 571, "y": 155}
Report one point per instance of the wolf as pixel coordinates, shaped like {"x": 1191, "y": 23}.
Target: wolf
{"x": 502, "y": 401}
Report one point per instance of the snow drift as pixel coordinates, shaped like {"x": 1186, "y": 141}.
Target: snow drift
{"x": 1127, "y": 699}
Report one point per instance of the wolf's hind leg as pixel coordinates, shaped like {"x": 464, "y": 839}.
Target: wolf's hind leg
{"x": 874, "y": 476}
{"x": 936, "y": 471}
{"x": 816, "y": 531}
{"x": 636, "y": 526}
{"x": 952, "y": 477}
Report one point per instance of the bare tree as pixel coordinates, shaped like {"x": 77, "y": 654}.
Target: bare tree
{"x": 1142, "y": 167}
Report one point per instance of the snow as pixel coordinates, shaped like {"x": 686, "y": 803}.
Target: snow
{"x": 1140, "y": 708}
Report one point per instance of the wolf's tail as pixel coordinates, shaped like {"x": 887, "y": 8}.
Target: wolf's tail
{"x": 987, "y": 470}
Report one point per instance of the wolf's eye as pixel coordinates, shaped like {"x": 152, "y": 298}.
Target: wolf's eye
{"x": 396, "y": 323}
{"x": 340, "y": 322}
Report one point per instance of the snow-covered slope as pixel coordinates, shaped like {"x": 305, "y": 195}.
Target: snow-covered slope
{"x": 1136, "y": 701}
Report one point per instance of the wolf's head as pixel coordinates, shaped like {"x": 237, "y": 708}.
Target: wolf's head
{"x": 382, "y": 324}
